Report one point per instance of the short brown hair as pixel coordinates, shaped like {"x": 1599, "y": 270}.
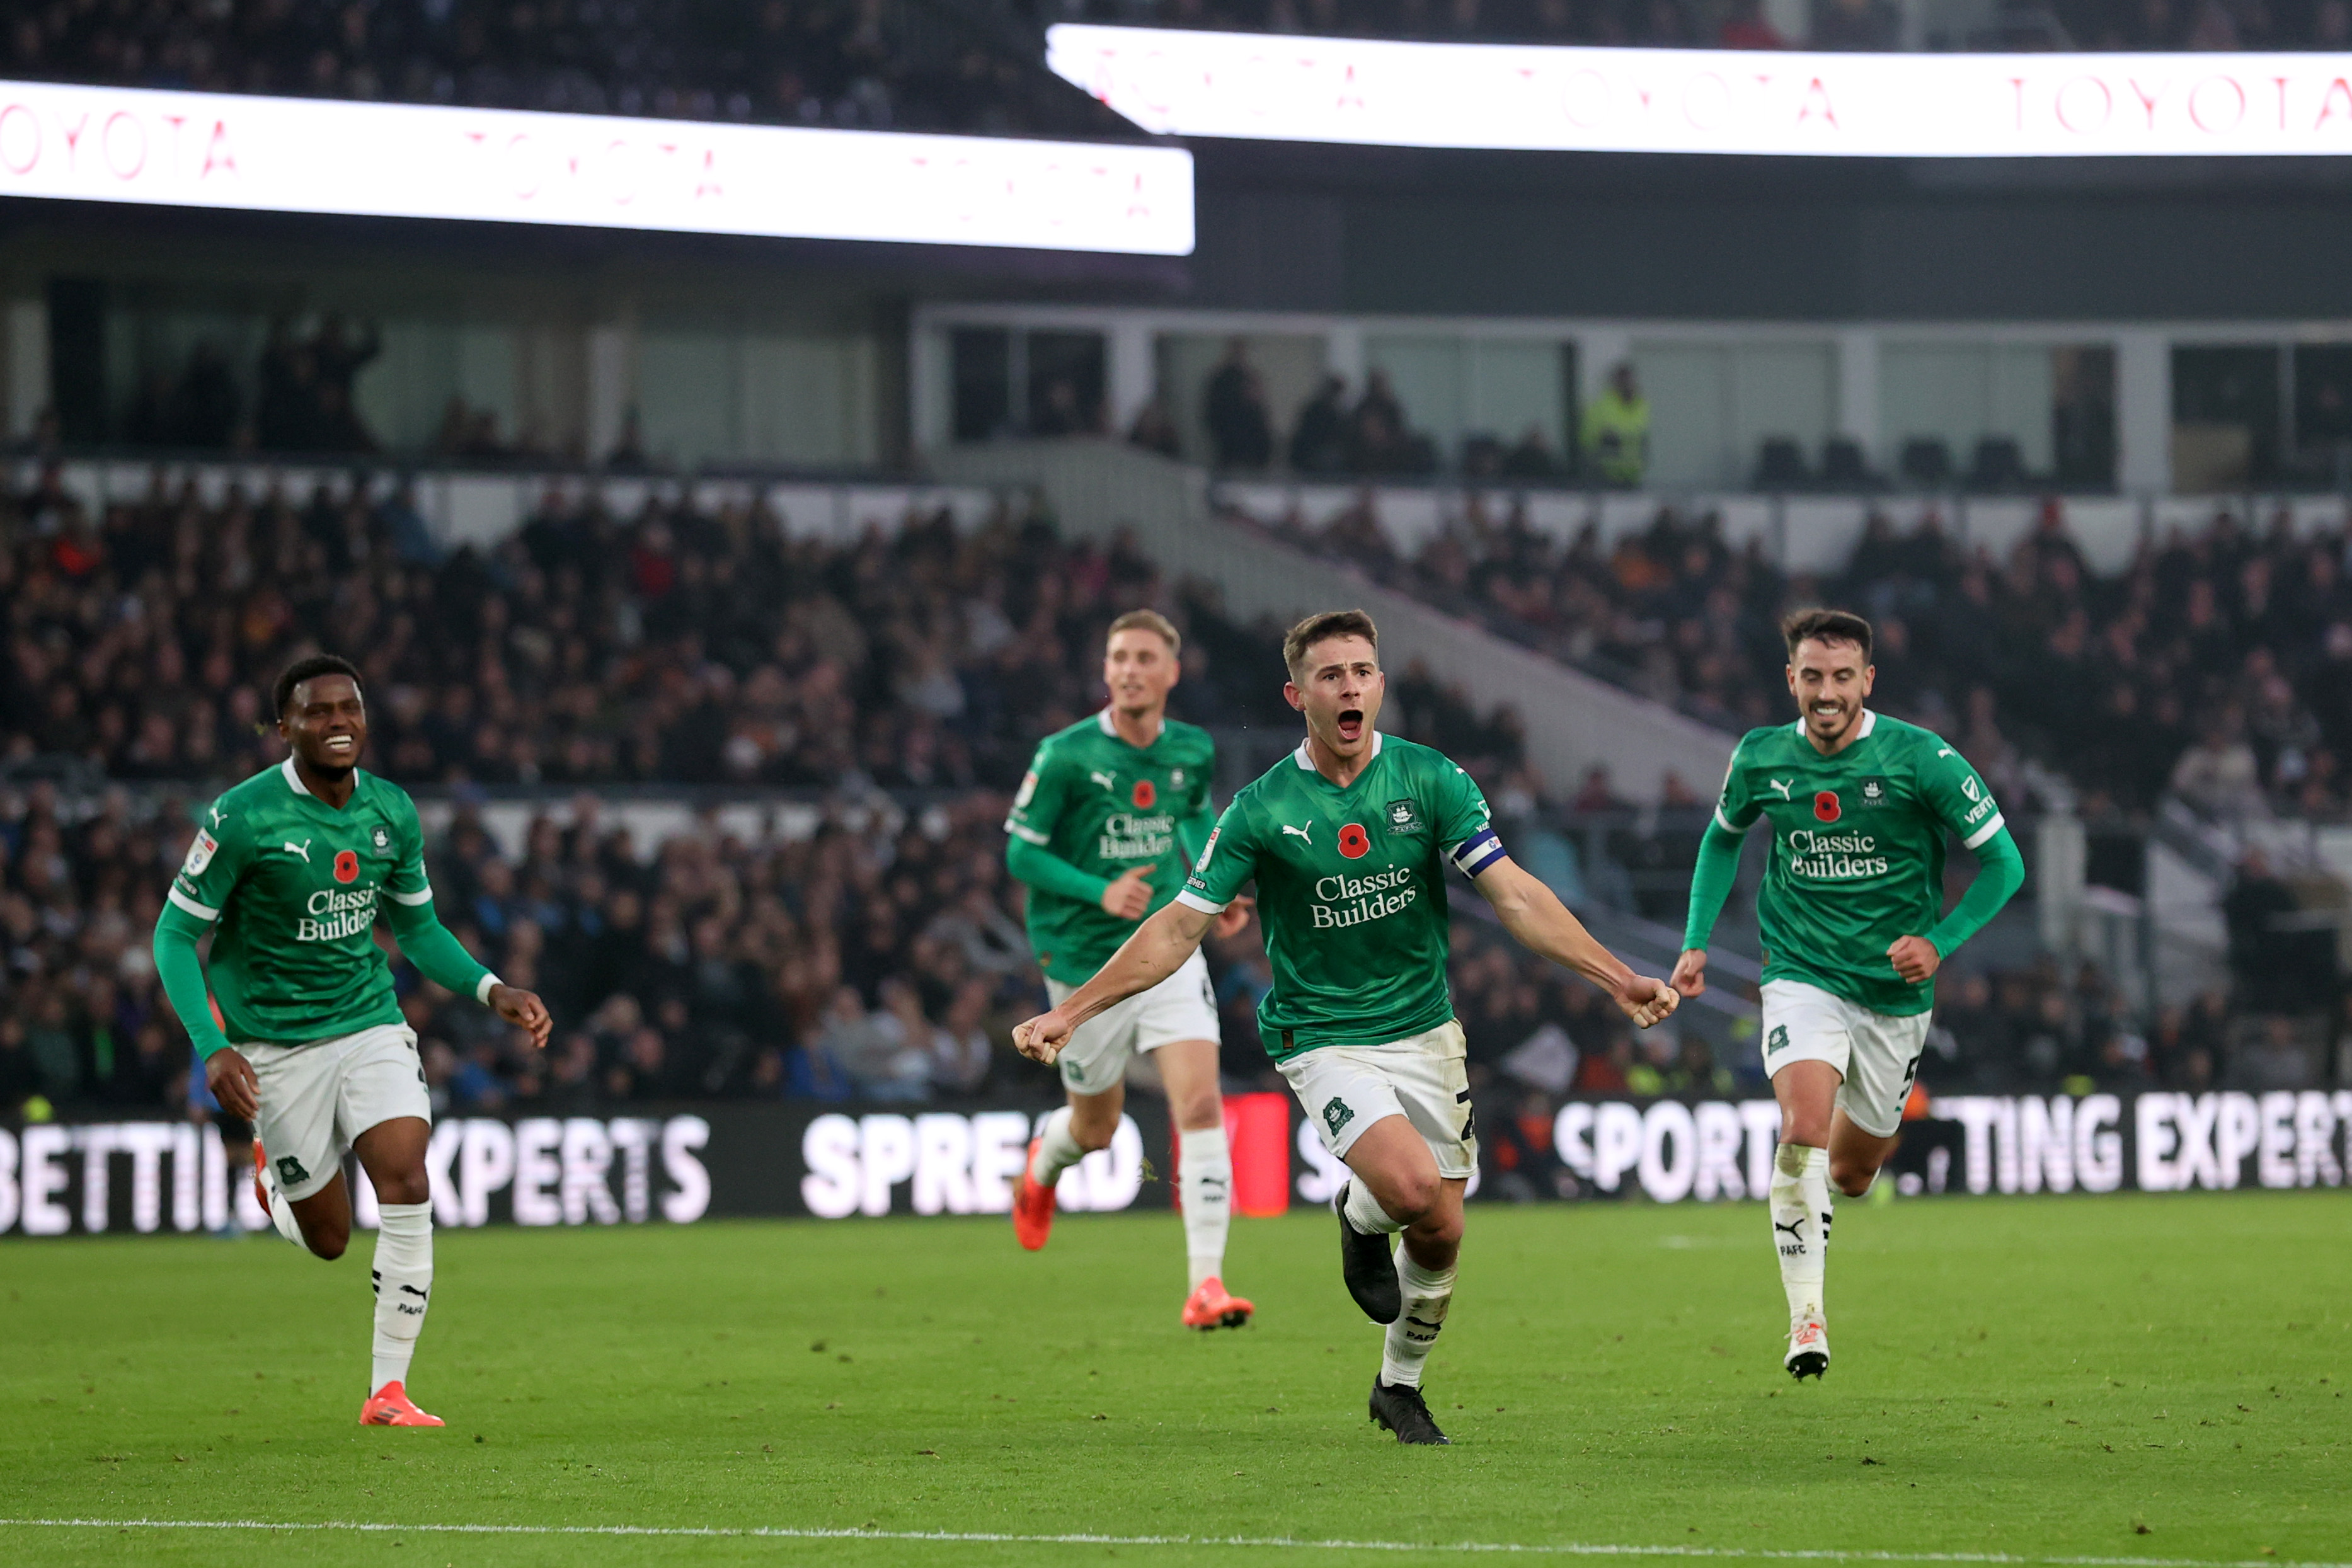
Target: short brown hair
{"x": 1826, "y": 626}
{"x": 1321, "y": 627}
{"x": 1147, "y": 621}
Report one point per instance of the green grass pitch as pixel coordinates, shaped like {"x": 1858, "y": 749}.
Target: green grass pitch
{"x": 2118, "y": 1378}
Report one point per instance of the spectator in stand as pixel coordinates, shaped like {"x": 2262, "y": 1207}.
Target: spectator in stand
{"x": 1319, "y": 443}
{"x": 1234, "y": 411}
{"x": 2218, "y": 775}
{"x": 1617, "y": 432}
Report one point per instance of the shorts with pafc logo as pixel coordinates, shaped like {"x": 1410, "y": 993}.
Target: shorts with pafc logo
{"x": 1425, "y": 1079}
{"x": 316, "y": 1099}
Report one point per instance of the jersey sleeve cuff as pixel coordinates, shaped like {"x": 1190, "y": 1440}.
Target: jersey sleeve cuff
{"x": 1478, "y": 852}
{"x": 1981, "y": 835}
{"x": 422, "y": 895}
{"x": 1026, "y": 835}
{"x": 182, "y": 902}
{"x": 1726, "y": 823}
{"x": 482, "y": 987}
{"x": 1191, "y": 900}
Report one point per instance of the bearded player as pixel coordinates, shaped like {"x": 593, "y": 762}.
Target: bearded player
{"x": 1113, "y": 810}
{"x": 288, "y": 872}
{"x": 1859, "y": 805}
{"x": 1347, "y": 839}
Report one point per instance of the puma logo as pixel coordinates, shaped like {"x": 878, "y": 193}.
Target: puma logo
{"x": 1105, "y": 779}
{"x": 1780, "y": 784}
{"x": 1795, "y": 1246}
{"x": 302, "y": 848}
{"x": 217, "y": 817}
{"x": 1302, "y": 833}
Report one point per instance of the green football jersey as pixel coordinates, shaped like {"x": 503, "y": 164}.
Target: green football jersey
{"x": 1857, "y": 853}
{"x": 293, "y": 883}
{"x": 1351, "y": 890}
{"x": 1106, "y": 807}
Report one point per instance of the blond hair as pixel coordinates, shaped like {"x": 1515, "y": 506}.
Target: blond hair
{"x": 1149, "y": 621}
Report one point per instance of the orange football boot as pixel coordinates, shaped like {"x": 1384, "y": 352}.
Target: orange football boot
{"x": 391, "y": 1406}
{"x": 260, "y": 1176}
{"x": 1210, "y": 1307}
{"x": 1032, "y": 1205}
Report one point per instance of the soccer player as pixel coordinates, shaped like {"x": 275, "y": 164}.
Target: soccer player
{"x": 1860, "y": 805}
{"x": 1114, "y": 808}
{"x": 1348, "y": 839}
{"x": 288, "y": 871}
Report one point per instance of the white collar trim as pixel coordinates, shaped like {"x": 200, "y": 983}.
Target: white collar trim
{"x": 1305, "y": 759}
{"x": 293, "y": 779}
{"x": 1103, "y": 721}
{"x": 1869, "y": 723}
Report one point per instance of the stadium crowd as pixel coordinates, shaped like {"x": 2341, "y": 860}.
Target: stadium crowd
{"x": 902, "y": 678}
{"x": 2218, "y": 666}
{"x": 860, "y": 64}
{"x": 2155, "y": 25}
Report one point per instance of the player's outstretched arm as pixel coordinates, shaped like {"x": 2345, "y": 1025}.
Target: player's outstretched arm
{"x": 1157, "y": 950}
{"x": 1534, "y": 914}
{"x": 1711, "y": 884}
{"x": 441, "y": 958}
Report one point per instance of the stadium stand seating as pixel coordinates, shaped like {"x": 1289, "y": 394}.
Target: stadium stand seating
{"x": 1683, "y": 24}
{"x": 2215, "y": 666}
{"x": 922, "y": 64}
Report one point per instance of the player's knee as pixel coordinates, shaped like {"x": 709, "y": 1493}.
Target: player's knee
{"x": 1091, "y": 1136}
{"x": 327, "y": 1244}
{"x": 1806, "y": 1130}
{"x": 409, "y": 1186}
{"x": 1852, "y": 1177}
{"x": 1414, "y": 1198}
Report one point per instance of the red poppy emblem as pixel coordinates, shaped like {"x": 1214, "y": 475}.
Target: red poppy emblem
{"x": 347, "y": 865}
{"x": 1144, "y": 795}
{"x": 1354, "y": 843}
{"x": 1825, "y": 806}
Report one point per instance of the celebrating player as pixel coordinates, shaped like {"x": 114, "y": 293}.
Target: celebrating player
{"x": 286, "y": 871}
{"x": 1859, "y": 805}
{"x": 1348, "y": 839}
{"x": 1113, "y": 809}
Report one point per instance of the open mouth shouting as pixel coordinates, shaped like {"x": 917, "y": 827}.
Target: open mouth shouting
{"x": 1350, "y": 725}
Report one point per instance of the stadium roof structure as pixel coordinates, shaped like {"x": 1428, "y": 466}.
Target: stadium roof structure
{"x": 1723, "y": 101}
{"x": 246, "y": 153}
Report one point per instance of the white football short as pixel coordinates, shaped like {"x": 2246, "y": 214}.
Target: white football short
{"x": 1425, "y": 1079}
{"x": 1878, "y": 1055}
{"x": 1182, "y": 1006}
{"x": 316, "y": 1099}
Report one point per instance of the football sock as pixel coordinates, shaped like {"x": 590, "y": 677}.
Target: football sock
{"x": 1204, "y": 1180}
{"x": 1365, "y": 1213}
{"x": 1056, "y": 1150}
{"x": 403, "y": 1285}
{"x": 1800, "y": 1223}
{"x": 281, "y": 1215}
{"x": 1427, "y": 1293}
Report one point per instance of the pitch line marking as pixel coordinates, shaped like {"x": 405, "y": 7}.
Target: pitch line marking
{"x": 1295, "y": 1543}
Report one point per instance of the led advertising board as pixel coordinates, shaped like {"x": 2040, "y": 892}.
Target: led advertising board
{"x": 1711, "y": 100}
{"x": 411, "y": 161}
